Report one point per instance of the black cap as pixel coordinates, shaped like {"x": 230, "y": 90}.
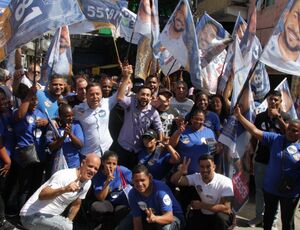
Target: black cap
{"x": 165, "y": 91}
{"x": 150, "y": 133}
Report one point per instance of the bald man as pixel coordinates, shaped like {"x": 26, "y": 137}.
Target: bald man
{"x": 65, "y": 188}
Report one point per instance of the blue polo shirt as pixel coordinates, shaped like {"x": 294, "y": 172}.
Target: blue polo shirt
{"x": 28, "y": 133}
{"x": 212, "y": 121}
{"x": 6, "y": 132}
{"x": 159, "y": 168}
{"x": 116, "y": 195}
{"x": 160, "y": 200}
{"x": 280, "y": 147}
{"x": 71, "y": 153}
{"x": 192, "y": 144}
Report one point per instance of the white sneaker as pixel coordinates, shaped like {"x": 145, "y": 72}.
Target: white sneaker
{"x": 255, "y": 222}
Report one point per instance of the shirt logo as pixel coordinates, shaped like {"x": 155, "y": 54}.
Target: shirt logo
{"x": 142, "y": 205}
{"x": 167, "y": 199}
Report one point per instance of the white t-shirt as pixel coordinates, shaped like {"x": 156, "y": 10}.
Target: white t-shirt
{"x": 183, "y": 107}
{"x": 57, "y": 205}
{"x": 211, "y": 193}
{"x": 94, "y": 124}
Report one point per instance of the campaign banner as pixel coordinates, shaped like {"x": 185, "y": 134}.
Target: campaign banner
{"x": 59, "y": 56}
{"x": 212, "y": 39}
{"x": 179, "y": 38}
{"x": 287, "y": 104}
{"x": 282, "y": 51}
{"x": 238, "y": 33}
{"x": 25, "y": 20}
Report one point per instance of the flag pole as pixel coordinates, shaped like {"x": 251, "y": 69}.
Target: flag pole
{"x": 35, "y": 60}
{"x": 117, "y": 52}
{"x": 171, "y": 68}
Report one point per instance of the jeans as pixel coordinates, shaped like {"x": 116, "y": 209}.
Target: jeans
{"x": 287, "y": 205}
{"x": 259, "y": 174}
{"x": 40, "y": 221}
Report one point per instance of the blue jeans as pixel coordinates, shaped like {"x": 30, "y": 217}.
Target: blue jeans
{"x": 259, "y": 174}
{"x": 40, "y": 221}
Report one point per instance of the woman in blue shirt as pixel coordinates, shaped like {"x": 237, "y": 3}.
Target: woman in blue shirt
{"x": 284, "y": 163}
{"x": 111, "y": 185}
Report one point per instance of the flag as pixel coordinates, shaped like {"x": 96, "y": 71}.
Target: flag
{"x": 287, "y": 104}
{"x": 282, "y": 51}
{"x": 234, "y": 135}
{"x": 23, "y": 21}
{"x": 168, "y": 63}
{"x": 212, "y": 39}
{"x": 59, "y": 56}
{"x": 179, "y": 38}
{"x": 238, "y": 33}
{"x": 147, "y": 24}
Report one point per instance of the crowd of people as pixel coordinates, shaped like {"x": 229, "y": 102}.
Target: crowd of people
{"x": 122, "y": 153}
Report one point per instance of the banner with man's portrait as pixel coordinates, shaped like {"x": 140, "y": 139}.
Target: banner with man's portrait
{"x": 179, "y": 38}
{"x": 282, "y": 51}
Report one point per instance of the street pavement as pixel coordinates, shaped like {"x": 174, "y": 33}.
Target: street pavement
{"x": 248, "y": 212}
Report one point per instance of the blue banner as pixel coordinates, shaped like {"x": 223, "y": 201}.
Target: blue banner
{"x": 25, "y": 20}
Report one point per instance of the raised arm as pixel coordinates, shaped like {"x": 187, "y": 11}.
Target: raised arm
{"x": 126, "y": 73}
{"x": 251, "y": 128}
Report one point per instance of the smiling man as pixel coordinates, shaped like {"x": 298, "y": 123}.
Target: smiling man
{"x": 153, "y": 205}
{"x": 283, "y": 49}
{"x": 66, "y": 187}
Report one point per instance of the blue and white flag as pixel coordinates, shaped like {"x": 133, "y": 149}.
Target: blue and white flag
{"x": 147, "y": 22}
{"x": 234, "y": 135}
{"x": 212, "y": 39}
{"x": 25, "y": 20}
{"x": 238, "y": 33}
{"x": 59, "y": 56}
{"x": 179, "y": 38}
{"x": 282, "y": 51}
{"x": 287, "y": 104}
{"x": 3, "y": 5}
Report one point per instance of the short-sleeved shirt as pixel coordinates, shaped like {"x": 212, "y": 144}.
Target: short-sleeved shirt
{"x": 6, "y": 132}
{"x": 94, "y": 123}
{"x": 193, "y": 144}
{"x": 116, "y": 194}
{"x": 183, "y": 107}
{"x": 160, "y": 200}
{"x": 265, "y": 123}
{"x": 57, "y": 205}
{"x": 136, "y": 122}
{"x": 212, "y": 192}
{"x": 159, "y": 166}
{"x": 212, "y": 121}
{"x": 279, "y": 148}
{"x": 70, "y": 151}
{"x": 47, "y": 102}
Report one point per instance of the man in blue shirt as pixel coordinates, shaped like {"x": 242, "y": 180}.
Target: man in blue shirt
{"x": 152, "y": 204}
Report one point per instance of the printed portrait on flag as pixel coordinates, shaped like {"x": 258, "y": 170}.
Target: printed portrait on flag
{"x": 172, "y": 34}
{"x": 283, "y": 48}
{"x": 179, "y": 38}
{"x": 211, "y": 35}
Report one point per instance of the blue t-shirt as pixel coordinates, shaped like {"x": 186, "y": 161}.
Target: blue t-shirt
{"x": 159, "y": 168}
{"x": 160, "y": 200}
{"x": 192, "y": 144}
{"x": 28, "y": 133}
{"x": 116, "y": 195}
{"x": 279, "y": 146}
{"x": 46, "y": 101}
{"x": 6, "y": 132}
{"x": 71, "y": 153}
{"x": 212, "y": 121}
